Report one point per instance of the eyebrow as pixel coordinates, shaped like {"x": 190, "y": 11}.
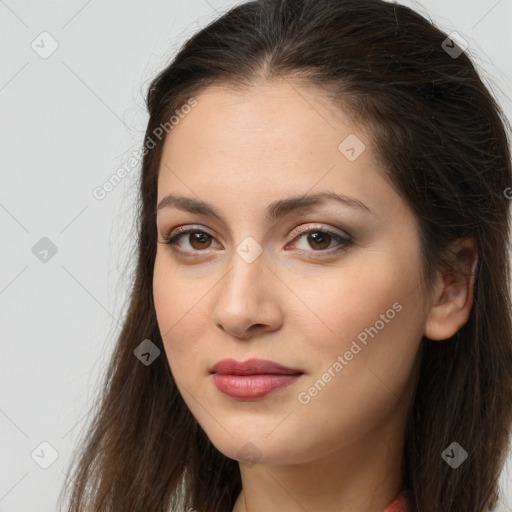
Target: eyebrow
{"x": 275, "y": 210}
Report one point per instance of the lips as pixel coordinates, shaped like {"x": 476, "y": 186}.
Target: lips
{"x": 252, "y": 379}
{"x": 252, "y": 367}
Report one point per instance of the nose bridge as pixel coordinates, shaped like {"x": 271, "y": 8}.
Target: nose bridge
{"x": 245, "y": 298}
{"x": 247, "y": 267}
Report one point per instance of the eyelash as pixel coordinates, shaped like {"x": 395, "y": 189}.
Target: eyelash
{"x": 170, "y": 240}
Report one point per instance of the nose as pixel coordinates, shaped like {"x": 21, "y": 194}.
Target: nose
{"x": 249, "y": 299}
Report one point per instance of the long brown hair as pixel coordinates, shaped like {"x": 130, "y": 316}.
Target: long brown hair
{"x": 442, "y": 141}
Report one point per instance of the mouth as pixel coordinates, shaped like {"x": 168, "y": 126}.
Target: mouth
{"x": 252, "y": 379}
{"x": 252, "y": 367}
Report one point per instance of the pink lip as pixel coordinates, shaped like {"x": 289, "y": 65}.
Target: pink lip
{"x": 251, "y": 367}
{"x": 251, "y": 379}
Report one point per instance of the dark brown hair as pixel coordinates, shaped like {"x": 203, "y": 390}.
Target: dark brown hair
{"x": 442, "y": 141}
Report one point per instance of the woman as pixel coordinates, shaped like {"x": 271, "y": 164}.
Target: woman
{"x": 320, "y": 317}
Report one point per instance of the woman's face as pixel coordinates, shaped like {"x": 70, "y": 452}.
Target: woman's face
{"x": 271, "y": 281}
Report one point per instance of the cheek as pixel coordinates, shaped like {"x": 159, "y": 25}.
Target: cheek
{"x": 183, "y": 309}
{"x": 164, "y": 296}
{"x": 174, "y": 306}
{"x": 347, "y": 398}
{"x": 373, "y": 321}
{"x": 345, "y": 302}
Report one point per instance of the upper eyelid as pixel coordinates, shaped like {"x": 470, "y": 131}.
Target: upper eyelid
{"x": 344, "y": 238}
{"x": 186, "y": 229}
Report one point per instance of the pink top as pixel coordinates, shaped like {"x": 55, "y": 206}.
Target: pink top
{"x": 399, "y": 504}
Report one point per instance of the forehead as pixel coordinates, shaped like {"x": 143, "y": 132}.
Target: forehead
{"x": 273, "y": 113}
{"x": 272, "y": 141}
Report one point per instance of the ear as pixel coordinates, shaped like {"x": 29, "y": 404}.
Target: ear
{"x": 453, "y": 295}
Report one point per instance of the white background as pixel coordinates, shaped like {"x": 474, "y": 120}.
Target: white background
{"x": 67, "y": 123}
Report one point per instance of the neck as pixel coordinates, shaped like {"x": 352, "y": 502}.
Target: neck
{"x": 362, "y": 476}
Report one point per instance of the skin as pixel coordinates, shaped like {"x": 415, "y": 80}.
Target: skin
{"x": 240, "y": 151}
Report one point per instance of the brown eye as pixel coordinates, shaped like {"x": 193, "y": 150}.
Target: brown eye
{"x": 198, "y": 240}
{"x": 319, "y": 240}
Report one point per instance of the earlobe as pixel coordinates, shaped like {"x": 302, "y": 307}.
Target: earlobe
{"x": 453, "y": 297}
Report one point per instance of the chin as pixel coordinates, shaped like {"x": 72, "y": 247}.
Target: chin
{"x": 258, "y": 447}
